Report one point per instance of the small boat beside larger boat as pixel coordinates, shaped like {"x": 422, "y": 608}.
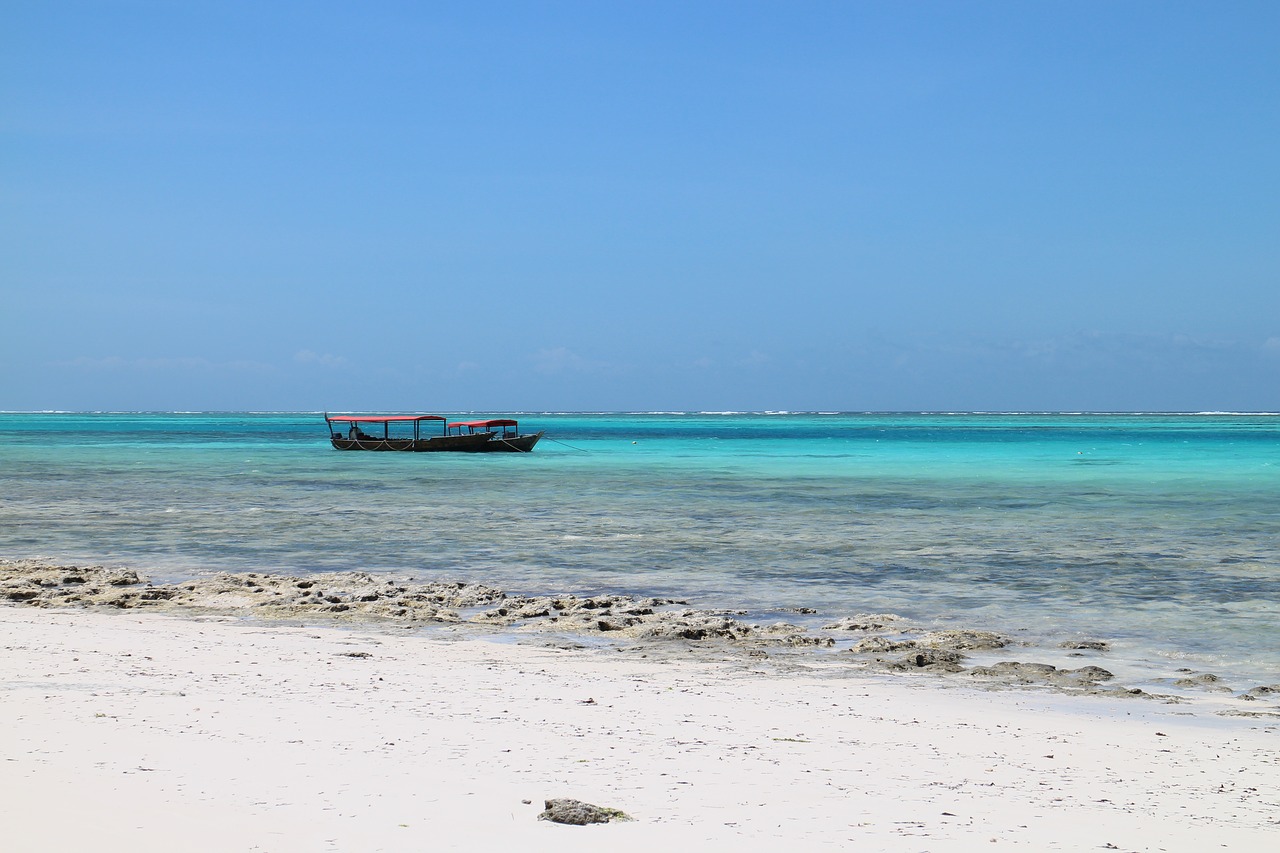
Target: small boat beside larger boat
{"x": 411, "y": 433}
{"x": 509, "y": 440}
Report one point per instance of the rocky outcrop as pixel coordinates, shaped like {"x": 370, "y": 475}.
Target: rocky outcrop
{"x": 322, "y": 595}
{"x": 353, "y": 596}
{"x": 640, "y": 619}
{"x": 880, "y": 642}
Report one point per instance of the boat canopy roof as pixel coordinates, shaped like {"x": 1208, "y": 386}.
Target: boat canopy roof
{"x": 382, "y": 419}
{"x": 489, "y": 423}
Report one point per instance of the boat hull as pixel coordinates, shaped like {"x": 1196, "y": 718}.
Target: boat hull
{"x": 435, "y": 444}
{"x": 513, "y": 444}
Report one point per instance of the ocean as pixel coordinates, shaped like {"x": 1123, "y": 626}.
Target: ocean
{"x": 1159, "y": 533}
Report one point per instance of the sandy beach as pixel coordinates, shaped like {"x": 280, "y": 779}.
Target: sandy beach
{"x": 137, "y": 731}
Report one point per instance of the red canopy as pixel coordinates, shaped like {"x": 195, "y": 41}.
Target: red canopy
{"x": 382, "y": 419}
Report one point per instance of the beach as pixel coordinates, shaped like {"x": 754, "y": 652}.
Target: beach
{"x": 203, "y": 729}
{"x": 746, "y": 632}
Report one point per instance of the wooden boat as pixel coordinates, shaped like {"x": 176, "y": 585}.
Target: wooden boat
{"x": 346, "y": 432}
{"x": 509, "y": 440}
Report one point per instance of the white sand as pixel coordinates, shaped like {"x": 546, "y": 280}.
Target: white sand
{"x": 141, "y": 732}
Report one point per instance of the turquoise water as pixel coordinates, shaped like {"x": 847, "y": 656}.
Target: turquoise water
{"x": 1159, "y": 532}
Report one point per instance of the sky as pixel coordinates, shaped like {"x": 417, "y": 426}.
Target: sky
{"x": 636, "y": 206}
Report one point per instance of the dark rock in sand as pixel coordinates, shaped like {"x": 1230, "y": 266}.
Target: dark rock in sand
{"x": 924, "y": 660}
{"x": 1204, "y": 681}
{"x": 1089, "y": 673}
{"x": 1015, "y": 669}
{"x": 1092, "y": 645}
{"x": 578, "y": 813}
{"x": 1262, "y": 690}
{"x": 1015, "y": 672}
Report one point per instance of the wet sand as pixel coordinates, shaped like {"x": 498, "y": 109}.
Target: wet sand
{"x": 204, "y": 724}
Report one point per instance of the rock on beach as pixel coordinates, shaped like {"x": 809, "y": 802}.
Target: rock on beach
{"x": 578, "y": 813}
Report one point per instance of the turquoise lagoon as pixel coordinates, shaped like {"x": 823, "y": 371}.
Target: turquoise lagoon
{"x": 1160, "y": 533}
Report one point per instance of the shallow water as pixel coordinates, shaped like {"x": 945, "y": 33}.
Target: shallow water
{"x": 1158, "y": 532}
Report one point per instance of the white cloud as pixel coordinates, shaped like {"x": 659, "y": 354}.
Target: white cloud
{"x": 306, "y": 356}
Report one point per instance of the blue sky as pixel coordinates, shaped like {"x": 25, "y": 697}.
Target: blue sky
{"x": 636, "y": 206}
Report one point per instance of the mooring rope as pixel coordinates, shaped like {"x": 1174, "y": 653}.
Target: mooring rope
{"x": 570, "y": 446}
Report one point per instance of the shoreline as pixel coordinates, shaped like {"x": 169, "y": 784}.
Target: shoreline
{"x": 858, "y": 644}
{"x": 139, "y": 731}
